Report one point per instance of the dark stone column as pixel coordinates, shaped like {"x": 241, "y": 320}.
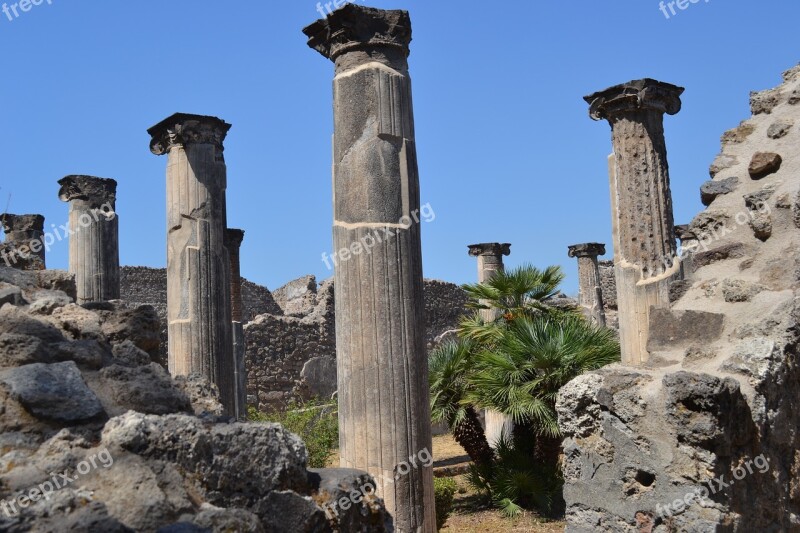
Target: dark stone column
{"x": 94, "y": 243}
{"x": 590, "y": 294}
{"x": 198, "y": 268}
{"x": 233, "y": 242}
{"x": 24, "y": 247}
{"x": 380, "y": 331}
{"x": 645, "y": 258}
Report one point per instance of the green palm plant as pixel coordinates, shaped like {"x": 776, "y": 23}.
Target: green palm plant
{"x": 450, "y": 365}
{"x": 521, "y": 291}
{"x": 521, "y": 375}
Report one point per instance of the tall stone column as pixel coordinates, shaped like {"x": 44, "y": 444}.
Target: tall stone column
{"x": 233, "y": 242}
{"x": 490, "y": 261}
{"x": 590, "y": 291}
{"x": 384, "y": 405}
{"x": 94, "y": 241}
{"x": 198, "y": 269}
{"x": 24, "y": 247}
{"x": 689, "y": 244}
{"x": 642, "y": 203}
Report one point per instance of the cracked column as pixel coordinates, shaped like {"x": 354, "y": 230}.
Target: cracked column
{"x": 94, "y": 239}
{"x": 233, "y": 242}
{"x": 689, "y": 245}
{"x": 490, "y": 261}
{"x": 641, "y": 203}
{"x": 198, "y": 269}
{"x": 384, "y": 408}
{"x": 25, "y": 244}
{"x": 590, "y": 291}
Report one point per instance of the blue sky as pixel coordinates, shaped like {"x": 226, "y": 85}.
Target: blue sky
{"x": 506, "y": 149}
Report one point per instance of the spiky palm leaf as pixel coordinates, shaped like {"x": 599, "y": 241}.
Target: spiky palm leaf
{"x": 520, "y": 375}
{"x": 519, "y": 291}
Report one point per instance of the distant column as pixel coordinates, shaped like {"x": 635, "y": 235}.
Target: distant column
{"x": 642, "y": 203}
{"x": 24, "y": 247}
{"x": 689, "y": 244}
{"x": 590, "y": 291}
{"x": 490, "y": 262}
{"x": 384, "y": 407}
{"x": 198, "y": 277}
{"x": 94, "y": 241}
{"x": 233, "y": 242}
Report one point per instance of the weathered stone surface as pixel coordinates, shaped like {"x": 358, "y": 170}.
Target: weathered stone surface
{"x": 763, "y": 164}
{"x": 145, "y": 389}
{"x": 11, "y": 294}
{"x": 645, "y": 248}
{"x": 590, "y": 291}
{"x": 380, "y": 345}
{"x": 33, "y": 281}
{"x": 318, "y": 378}
{"x": 764, "y": 101}
{"x": 23, "y": 248}
{"x": 198, "y": 268}
{"x": 46, "y": 301}
{"x": 738, "y": 134}
{"x": 674, "y": 329}
{"x": 94, "y": 242}
{"x": 77, "y": 323}
{"x": 14, "y": 320}
{"x": 53, "y": 392}
{"x": 19, "y": 350}
{"x": 710, "y": 190}
{"x": 70, "y": 510}
{"x": 298, "y": 297}
{"x": 89, "y": 353}
{"x": 722, "y": 162}
{"x": 203, "y": 394}
{"x": 737, "y": 291}
{"x": 720, "y": 253}
{"x": 130, "y": 355}
{"x": 333, "y": 486}
{"x": 138, "y": 324}
{"x": 779, "y": 129}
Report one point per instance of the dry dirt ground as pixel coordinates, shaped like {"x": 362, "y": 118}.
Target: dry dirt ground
{"x": 470, "y": 514}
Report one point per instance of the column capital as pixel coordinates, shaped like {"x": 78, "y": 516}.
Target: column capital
{"x": 489, "y": 248}
{"x": 589, "y": 249}
{"x": 355, "y": 27}
{"x": 683, "y": 233}
{"x": 13, "y": 223}
{"x": 95, "y": 191}
{"x": 183, "y": 129}
{"x": 636, "y": 95}
{"x": 233, "y": 238}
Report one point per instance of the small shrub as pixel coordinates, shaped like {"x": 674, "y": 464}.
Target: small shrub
{"x": 315, "y": 422}
{"x": 444, "y": 488}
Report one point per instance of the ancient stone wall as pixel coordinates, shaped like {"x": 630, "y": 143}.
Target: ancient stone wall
{"x": 704, "y": 436}
{"x": 144, "y": 285}
{"x": 290, "y": 335}
{"x": 293, "y": 356}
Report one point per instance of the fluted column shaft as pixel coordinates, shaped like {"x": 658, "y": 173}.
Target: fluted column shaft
{"x": 94, "y": 239}
{"x": 198, "y": 268}
{"x": 490, "y": 262}
{"x": 642, "y": 204}
{"x": 25, "y": 245}
{"x": 384, "y": 405}
{"x": 590, "y": 292}
{"x": 233, "y": 242}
